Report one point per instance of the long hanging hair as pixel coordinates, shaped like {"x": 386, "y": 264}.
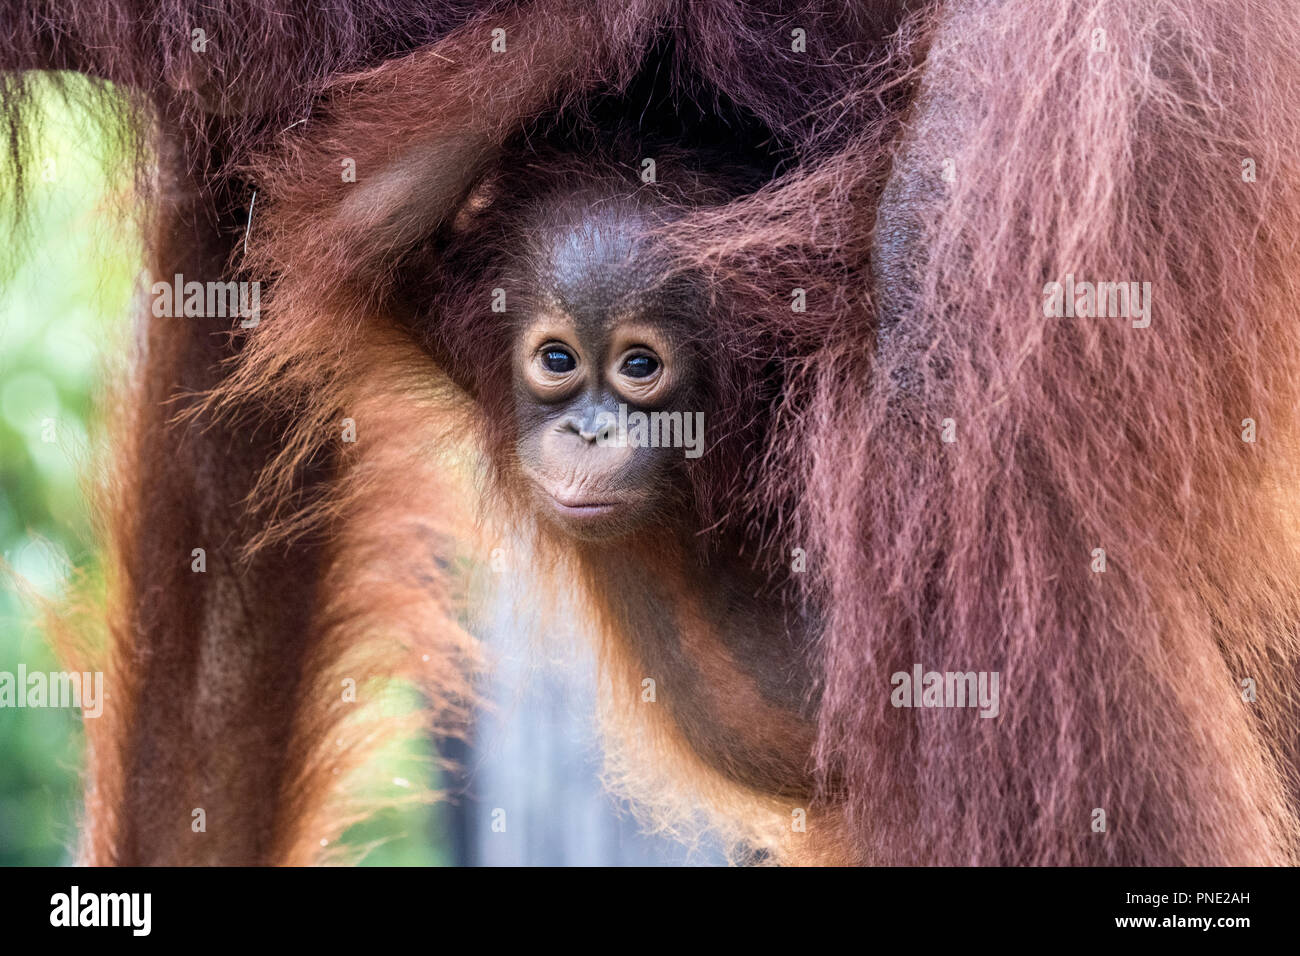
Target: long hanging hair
{"x": 979, "y": 486}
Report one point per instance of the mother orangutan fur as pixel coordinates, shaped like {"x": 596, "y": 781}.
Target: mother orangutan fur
{"x": 935, "y": 165}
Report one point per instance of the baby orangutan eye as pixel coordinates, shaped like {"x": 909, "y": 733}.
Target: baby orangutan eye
{"x": 558, "y": 360}
{"x": 639, "y": 365}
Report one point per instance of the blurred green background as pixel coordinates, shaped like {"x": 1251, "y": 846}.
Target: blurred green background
{"x": 65, "y": 302}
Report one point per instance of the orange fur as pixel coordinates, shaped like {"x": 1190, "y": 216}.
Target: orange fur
{"x": 1115, "y": 162}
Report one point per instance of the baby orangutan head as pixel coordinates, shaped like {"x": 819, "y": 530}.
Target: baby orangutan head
{"x": 605, "y": 376}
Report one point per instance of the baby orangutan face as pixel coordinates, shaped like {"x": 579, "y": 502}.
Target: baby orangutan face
{"x": 600, "y": 351}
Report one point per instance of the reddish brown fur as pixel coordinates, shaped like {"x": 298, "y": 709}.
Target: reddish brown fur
{"x": 1120, "y": 689}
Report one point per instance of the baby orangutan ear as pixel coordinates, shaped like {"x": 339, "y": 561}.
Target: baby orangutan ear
{"x": 479, "y": 201}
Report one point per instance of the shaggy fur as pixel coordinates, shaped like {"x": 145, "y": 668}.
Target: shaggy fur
{"x": 1112, "y": 160}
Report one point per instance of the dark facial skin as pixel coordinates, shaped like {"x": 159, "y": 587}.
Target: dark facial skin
{"x": 598, "y": 338}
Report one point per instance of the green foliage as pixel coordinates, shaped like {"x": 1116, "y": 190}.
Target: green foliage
{"x": 65, "y": 294}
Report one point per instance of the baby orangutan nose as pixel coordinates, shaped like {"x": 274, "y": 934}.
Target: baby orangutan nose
{"x": 597, "y": 427}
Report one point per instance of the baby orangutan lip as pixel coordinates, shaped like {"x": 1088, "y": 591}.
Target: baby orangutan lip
{"x": 583, "y": 508}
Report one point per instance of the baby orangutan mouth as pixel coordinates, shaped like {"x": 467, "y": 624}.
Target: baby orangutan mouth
{"x": 584, "y": 508}
{"x": 586, "y": 512}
